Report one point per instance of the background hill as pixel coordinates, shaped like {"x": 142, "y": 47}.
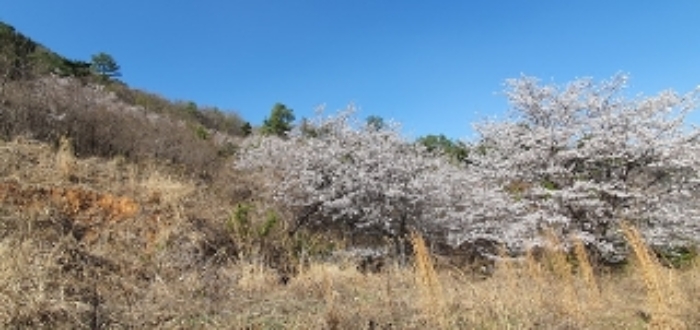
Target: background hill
{"x": 45, "y": 96}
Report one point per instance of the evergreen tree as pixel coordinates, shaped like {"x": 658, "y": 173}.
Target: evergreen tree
{"x": 279, "y": 122}
{"x": 105, "y": 65}
{"x": 246, "y": 128}
{"x": 375, "y": 122}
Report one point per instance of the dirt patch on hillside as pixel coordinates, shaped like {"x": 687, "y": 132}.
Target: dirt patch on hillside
{"x": 87, "y": 209}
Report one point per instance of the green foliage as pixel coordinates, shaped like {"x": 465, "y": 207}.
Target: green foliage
{"x": 227, "y": 149}
{"x": 201, "y": 133}
{"x": 192, "y": 110}
{"x": 270, "y": 223}
{"x": 375, "y": 122}
{"x": 308, "y": 245}
{"x": 279, "y": 122}
{"x": 266, "y": 237}
{"x": 310, "y": 130}
{"x": 253, "y": 236}
{"x": 74, "y": 68}
{"x": 216, "y": 119}
{"x": 549, "y": 185}
{"x": 677, "y": 256}
{"x": 23, "y": 58}
{"x": 18, "y": 54}
{"x": 104, "y": 65}
{"x": 440, "y": 144}
{"x": 246, "y": 129}
{"x": 239, "y": 223}
{"x": 307, "y": 129}
{"x": 210, "y": 118}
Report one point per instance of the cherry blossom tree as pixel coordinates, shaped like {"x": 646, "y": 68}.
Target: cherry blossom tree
{"x": 577, "y": 159}
{"x": 582, "y": 158}
{"x": 337, "y": 171}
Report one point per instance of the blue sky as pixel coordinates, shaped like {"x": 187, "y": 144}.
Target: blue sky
{"x": 435, "y": 66}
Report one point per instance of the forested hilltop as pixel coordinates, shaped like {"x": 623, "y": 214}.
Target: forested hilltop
{"x": 122, "y": 209}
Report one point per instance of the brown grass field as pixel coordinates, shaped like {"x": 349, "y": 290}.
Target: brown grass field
{"x": 94, "y": 243}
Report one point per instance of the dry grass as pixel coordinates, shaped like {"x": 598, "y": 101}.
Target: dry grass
{"x": 120, "y": 245}
{"x": 65, "y": 158}
{"x": 165, "y": 189}
{"x": 663, "y": 295}
{"x": 428, "y": 283}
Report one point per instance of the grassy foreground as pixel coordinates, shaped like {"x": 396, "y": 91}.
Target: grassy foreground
{"x": 107, "y": 244}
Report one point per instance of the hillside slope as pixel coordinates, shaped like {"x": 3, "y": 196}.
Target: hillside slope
{"x": 95, "y": 244}
{"x": 46, "y": 96}
{"x": 83, "y": 240}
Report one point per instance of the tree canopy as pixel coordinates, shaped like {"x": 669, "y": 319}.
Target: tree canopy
{"x": 375, "y": 122}
{"x": 104, "y": 65}
{"x": 442, "y": 145}
{"x": 279, "y": 122}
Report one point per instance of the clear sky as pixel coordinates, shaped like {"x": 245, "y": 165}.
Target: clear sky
{"x": 435, "y": 66}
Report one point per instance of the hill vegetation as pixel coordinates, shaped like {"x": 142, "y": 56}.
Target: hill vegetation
{"x": 122, "y": 209}
{"x": 45, "y": 96}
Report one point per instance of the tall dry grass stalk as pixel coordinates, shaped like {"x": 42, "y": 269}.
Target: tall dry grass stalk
{"x": 545, "y": 283}
{"x": 562, "y": 271}
{"x": 585, "y": 270}
{"x": 332, "y": 317}
{"x": 536, "y": 273}
{"x": 65, "y": 158}
{"x": 660, "y": 293}
{"x": 506, "y": 304}
{"x": 256, "y": 278}
{"x": 430, "y": 288}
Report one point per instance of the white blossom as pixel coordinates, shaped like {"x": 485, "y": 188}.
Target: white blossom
{"x": 592, "y": 158}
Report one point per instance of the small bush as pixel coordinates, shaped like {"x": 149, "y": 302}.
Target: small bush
{"x": 677, "y": 256}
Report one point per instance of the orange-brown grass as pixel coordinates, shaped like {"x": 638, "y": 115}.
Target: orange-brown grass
{"x": 164, "y": 257}
{"x": 65, "y": 158}
{"x": 663, "y": 297}
{"x": 428, "y": 283}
